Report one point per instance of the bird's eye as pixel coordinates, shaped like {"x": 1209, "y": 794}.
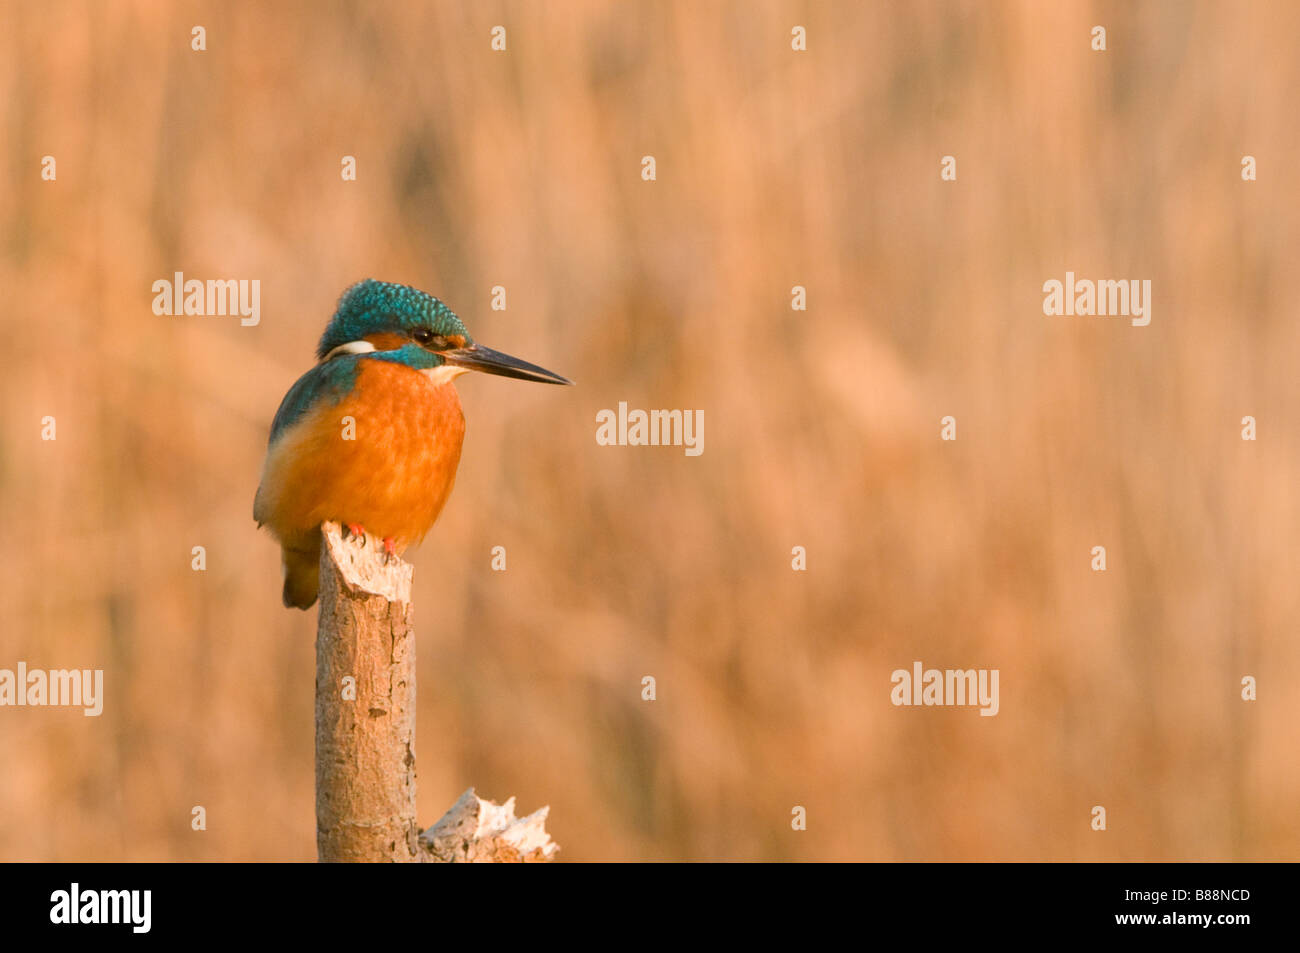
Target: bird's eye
{"x": 426, "y": 338}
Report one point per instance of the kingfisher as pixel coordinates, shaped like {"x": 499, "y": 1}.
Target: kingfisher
{"x": 371, "y": 436}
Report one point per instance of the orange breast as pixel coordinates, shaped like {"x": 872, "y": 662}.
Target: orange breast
{"x": 390, "y": 469}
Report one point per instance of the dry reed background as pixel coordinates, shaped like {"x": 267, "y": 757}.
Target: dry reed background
{"x": 822, "y": 428}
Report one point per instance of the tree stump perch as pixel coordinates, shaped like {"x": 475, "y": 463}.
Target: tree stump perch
{"x": 365, "y": 705}
{"x": 365, "y": 728}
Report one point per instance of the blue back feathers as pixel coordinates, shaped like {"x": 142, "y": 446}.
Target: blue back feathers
{"x": 330, "y": 381}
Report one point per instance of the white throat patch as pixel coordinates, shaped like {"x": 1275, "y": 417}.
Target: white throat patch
{"x": 444, "y": 374}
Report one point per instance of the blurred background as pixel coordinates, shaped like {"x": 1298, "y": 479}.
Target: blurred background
{"x": 775, "y": 168}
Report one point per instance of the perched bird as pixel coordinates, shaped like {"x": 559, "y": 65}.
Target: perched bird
{"x": 370, "y": 437}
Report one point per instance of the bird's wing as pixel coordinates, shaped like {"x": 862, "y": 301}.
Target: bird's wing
{"x": 330, "y": 381}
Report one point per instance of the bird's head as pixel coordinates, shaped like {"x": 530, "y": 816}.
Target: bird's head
{"x": 411, "y": 327}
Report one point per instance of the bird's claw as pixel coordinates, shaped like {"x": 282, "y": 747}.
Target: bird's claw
{"x": 357, "y": 532}
{"x": 390, "y": 549}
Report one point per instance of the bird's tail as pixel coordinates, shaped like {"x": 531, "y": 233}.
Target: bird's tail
{"x": 301, "y": 560}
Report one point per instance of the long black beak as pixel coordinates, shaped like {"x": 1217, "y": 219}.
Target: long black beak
{"x": 476, "y": 357}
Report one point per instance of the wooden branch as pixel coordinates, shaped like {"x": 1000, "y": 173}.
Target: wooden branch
{"x": 365, "y": 728}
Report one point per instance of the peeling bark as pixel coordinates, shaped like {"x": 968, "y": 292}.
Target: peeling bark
{"x": 479, "y": 831}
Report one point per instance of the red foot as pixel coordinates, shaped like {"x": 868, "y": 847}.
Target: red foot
{"x": 390, "y": 547}
{"x": 356, "y": 529}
